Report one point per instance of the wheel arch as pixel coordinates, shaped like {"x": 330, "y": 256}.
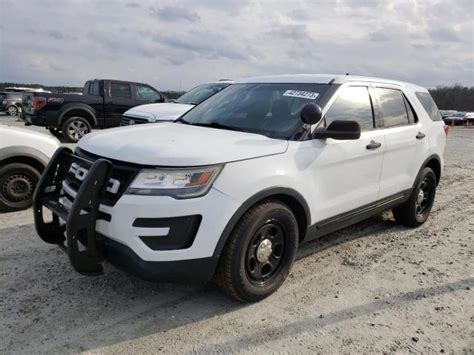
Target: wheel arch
{"x": 24, "y": 159}
{"x": 293, "y": 199}
{"x": 433, "y": 162}
{"x": 81, "y": 111}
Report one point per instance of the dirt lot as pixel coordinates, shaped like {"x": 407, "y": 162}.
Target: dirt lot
{"x": 373, "y": 287}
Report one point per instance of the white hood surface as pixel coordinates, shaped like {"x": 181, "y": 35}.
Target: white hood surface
{"x": 159, "y": 112}
{"x": 176, "y": 144}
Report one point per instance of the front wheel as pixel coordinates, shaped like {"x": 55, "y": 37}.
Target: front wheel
{"x": 17, "y": 184}
{"x": 259, "y": 253}
{"x": 74, "y": 128}
{"x": 416, "y": 210}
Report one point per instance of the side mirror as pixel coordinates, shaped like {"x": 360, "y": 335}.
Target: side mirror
{"x": 339, "y": 129}
{"x": 311, "y": 113}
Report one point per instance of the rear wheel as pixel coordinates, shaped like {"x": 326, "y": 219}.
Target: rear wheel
{"x": 259, "y": 253}
{"x": 74, "y": 128}
{"x": 17, "y": 184}
{"x": 416, "y": 210}
{"x": 13, "y": 110}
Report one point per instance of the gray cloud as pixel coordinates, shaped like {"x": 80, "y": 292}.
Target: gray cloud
{"x": 173, "y": 14}
{"x": 175, "y": 45}
{"x": 445, "y": 34}
{"x": 132, "y": 4}
{"x": 379, "y": 36}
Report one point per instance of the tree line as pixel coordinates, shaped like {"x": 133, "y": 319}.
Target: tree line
{"x": 454, "y": 97}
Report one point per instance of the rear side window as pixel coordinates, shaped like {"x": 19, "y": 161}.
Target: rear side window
{"x": 120, "y": 90}
{"x": 429, "y": 105}
{"x": 94, "y": 90}
{"x": 353, "y": 103}
{"x": 86, "y": 89}
{"x": 394, "y": 108}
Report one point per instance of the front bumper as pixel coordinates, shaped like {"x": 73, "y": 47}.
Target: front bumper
{"x": 156, "y": 237}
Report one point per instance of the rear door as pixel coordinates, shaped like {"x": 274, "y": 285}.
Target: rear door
{"x": 118, "y": 98}
{"x": 346, "y": 172}
{"x": 406, "y": 140}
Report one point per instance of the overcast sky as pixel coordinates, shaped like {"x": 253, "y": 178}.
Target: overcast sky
{"x": 178, "y": 44}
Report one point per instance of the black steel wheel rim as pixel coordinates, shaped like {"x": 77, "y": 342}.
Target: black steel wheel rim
{"x": 424, "y": 198}
{"x": 17, "y": 188}
{"x": 265, "y": 252}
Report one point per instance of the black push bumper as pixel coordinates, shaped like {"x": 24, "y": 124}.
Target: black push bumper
{"x": 74, "y": 229}
{"x": 80, "y": 219}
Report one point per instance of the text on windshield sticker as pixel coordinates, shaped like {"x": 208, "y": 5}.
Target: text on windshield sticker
{"x": 301, "y": 94}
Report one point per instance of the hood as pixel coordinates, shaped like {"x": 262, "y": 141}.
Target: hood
{"x": 175, "y": 144}
{"x": 159, "y": 112}
{"x": 22, "y": 135}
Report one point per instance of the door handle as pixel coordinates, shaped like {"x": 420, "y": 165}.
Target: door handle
{"x": 420, "y": 135}
{"x": 373, "y": 145}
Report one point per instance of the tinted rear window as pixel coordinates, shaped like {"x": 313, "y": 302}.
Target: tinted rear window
{"x": 429, "y": 105}
{"x": 393, "y": 108}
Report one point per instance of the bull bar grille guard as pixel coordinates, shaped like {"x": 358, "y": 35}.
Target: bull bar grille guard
{"x": 86, "y": 258}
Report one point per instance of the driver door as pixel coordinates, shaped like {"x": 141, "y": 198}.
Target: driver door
{"x": 346, "y": 173}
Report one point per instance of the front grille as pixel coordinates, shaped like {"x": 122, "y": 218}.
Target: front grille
{"x": 122, "y": 176}
{"x": 130, "y": 121}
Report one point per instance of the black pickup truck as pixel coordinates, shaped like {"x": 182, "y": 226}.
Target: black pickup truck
{"x": 100, "y": 106}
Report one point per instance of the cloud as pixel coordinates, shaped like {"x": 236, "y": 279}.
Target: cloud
{"x": 178, "y": 44}
{"x": 379, "y": 36}
{"x": 174, "y": 14}
{"x": 132, "y": 4}
{"x": 444, "y": 34}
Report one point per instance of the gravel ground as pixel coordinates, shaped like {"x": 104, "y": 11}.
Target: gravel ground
{"x": 373, "y": 287}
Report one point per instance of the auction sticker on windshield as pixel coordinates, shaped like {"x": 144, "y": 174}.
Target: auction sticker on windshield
{"x": 301, "y": 94}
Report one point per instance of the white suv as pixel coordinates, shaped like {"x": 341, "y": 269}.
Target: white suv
{"x": 238, "y": 183}
{"x": 170, "y": 111}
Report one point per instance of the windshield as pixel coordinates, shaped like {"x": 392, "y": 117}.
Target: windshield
{"x": 269, "y": 109}
{"x": 200, "y": 93}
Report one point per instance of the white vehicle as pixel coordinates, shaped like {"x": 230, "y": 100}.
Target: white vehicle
{"x": 237, "y": 184}
{"x": 23, "y": 156}
{"x": 170, "y": 111}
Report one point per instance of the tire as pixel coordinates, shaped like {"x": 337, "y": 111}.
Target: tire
{"x": 56, "y": 132}
{"x": 74, "y": 128}
{"x": 13, "y": 110}
{"x": 245, "y": 271}
{"x": 17, "y": 184}
{"x": 416, "y": 210}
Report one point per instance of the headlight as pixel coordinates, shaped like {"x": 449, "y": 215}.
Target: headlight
{"x": 177, "y": 183}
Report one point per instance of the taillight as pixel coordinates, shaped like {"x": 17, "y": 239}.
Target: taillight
{"x": 446, "y": 129}
{"x": 38, "y": 102}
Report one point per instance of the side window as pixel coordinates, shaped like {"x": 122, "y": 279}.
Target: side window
{"x": 95, "y": 88}
{"x": 352, "y": 103}
{"x": 147, "y": 94}
{"x": 429, "y": 105}
{"x": 86, "y": 90}
{"x": 392, "y": 107}
{"x": 120, "y": 90}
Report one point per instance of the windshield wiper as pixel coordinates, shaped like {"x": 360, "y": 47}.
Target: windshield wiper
{"x": 217, "y": 125}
